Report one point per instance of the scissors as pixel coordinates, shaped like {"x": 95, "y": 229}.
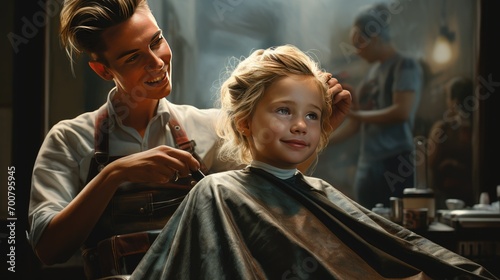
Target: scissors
{"x": 197, "y": 175}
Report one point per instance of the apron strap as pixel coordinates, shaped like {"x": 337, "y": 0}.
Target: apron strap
{"x": 182, "y": 141}
{"x": 101, "y": 138}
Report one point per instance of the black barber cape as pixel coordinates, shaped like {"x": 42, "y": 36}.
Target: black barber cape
{"x": 249, "y": 224}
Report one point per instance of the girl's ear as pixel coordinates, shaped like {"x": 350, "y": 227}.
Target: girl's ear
{"x": 243, "y": 127}
{"x": 101, "y": 70}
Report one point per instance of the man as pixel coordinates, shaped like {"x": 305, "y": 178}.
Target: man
{"x": 387, "y": 101}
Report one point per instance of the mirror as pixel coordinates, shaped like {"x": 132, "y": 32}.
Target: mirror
{"x": 204, "y": 35}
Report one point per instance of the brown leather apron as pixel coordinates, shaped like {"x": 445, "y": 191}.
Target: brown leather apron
{"x": 136, "y": 213}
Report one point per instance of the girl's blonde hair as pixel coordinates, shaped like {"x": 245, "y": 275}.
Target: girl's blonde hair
{"x": 247, "y": 83}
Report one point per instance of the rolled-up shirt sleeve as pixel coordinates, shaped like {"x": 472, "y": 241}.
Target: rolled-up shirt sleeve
{"x": 57, "y": 175}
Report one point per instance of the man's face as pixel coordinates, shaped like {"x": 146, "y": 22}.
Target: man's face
{"x": 364, "y": 44}
{"x": 139, "y": 57}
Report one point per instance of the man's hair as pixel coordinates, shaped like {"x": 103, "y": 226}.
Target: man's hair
{"x": 373, "y": 21}
{"x": 83, "y": 21}
{"x": 246, "y": 85}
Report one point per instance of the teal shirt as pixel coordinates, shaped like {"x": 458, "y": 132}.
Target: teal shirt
{"x": 399, "y": 73}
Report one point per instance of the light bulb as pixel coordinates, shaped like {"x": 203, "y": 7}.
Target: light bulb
{"x": 442, "y": 50}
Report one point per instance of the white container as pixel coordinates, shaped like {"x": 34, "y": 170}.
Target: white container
{"x": 484, "y": 198}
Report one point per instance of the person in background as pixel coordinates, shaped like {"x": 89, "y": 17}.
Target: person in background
{"x": 269, "y": 220}
{"x": 123, "y": 168}
{"x": 449, "y": 147}
{"x": 384, "y": 111}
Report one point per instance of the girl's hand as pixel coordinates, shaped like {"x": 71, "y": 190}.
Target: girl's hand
{"x": 341, "y": 102}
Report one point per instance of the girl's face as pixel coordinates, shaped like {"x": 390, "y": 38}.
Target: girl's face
{"x": 139, "y": 57}
{"x": 285, "y": 127}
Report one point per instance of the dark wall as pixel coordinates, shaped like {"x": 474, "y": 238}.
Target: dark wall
{"x": 27, "y": 120}
{"x": 489, "y": 75}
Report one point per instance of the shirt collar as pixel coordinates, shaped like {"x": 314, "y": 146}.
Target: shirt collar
{"x": 278, "y": 172}
{"x": 163, "y": 111}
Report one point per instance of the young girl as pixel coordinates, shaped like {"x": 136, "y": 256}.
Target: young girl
{"x": 268, "y": 220}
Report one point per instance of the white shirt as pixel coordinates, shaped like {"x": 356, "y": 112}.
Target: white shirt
{"x": 62, "y": 165}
